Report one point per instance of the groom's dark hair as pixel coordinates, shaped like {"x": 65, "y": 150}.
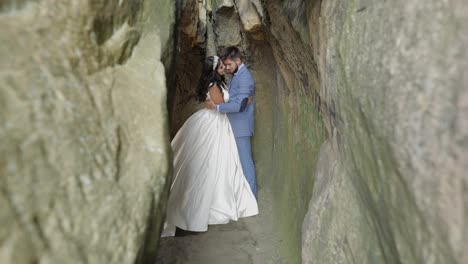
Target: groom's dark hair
{"x": 231, "y": 53}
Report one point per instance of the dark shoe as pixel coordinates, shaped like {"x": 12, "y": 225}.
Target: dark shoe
{"x": 181, "y": 233}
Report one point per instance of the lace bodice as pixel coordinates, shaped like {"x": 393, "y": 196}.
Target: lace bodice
{"x": 225, "y": 93}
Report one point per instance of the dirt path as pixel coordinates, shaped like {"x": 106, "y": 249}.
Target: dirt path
{"x": 248, "y": 241}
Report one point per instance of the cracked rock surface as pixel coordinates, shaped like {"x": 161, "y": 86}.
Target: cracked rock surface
{"x": 83, "y": 138}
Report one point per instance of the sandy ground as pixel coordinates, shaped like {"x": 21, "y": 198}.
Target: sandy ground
{"x": 247, "y": 241}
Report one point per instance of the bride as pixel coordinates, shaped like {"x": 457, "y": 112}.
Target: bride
{"x": 209, "y": 186}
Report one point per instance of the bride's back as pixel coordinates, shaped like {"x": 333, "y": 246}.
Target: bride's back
{"x": 216, "y": 95}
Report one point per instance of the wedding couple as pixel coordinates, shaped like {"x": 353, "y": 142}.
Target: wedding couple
{"x": 214, "y": 175}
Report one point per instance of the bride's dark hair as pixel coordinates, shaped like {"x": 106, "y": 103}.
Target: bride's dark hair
{"x": 209, "y": 76}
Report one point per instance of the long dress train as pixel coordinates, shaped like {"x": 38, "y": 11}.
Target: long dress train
{"x": 209, "y": 186}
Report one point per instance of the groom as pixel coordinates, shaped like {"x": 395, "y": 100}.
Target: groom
{"x": 242, "y": 86}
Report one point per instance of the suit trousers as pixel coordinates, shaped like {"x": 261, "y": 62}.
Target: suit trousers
{"x": 245, "y": 153}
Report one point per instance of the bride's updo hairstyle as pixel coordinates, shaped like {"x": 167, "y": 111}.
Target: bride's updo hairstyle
{"x": 209, "y": 76}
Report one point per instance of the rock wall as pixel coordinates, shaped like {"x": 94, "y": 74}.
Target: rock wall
{"x": 83, "y": 124}
{"x": 391, "y": 179}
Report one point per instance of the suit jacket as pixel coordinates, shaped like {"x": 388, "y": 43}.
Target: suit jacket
{"x": 242, "y": 86}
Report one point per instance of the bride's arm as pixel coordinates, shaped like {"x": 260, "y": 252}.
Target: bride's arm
{"x": 216, "y": 95}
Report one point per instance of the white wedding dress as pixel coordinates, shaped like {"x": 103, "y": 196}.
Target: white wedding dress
{"x": 209, "y": 186}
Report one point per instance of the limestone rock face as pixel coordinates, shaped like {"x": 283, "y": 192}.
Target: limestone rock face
{"x": 249, "y": 15}
{"x": 393, "y": 79}
{"x": 83, "y": 126}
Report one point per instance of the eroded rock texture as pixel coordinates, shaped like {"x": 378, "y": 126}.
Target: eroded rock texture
{"x": 83, "y": 129}
{"x": 396, "y": 74}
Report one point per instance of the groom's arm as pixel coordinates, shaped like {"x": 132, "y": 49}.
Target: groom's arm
{"x": 235, "y": 103}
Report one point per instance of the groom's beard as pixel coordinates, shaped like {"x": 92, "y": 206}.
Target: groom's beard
{"x": 234, "y": 72}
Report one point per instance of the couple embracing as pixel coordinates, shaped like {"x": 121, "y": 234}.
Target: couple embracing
{"x": 214, "y": 175}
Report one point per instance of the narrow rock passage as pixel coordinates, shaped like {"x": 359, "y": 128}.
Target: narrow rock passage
{"x": 248, "y": 241}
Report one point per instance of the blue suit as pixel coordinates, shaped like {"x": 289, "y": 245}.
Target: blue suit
{"x": 242, "y": 86}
